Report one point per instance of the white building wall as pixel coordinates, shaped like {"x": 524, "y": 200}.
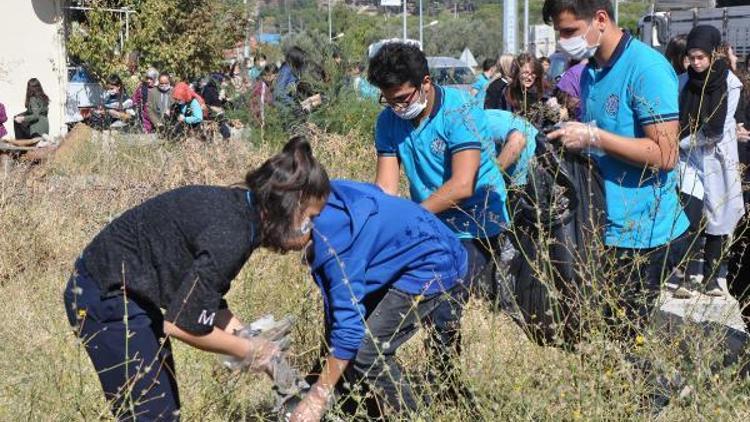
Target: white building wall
{"x": 33, "y": 47}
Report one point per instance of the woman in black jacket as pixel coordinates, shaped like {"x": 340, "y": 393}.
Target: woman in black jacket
{"x": 179, "y": 252}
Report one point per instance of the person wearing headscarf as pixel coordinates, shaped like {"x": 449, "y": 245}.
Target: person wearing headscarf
{"x": 710, "y": 179}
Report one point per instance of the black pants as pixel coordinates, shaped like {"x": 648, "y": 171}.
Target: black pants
{"x": 636, "y": 278}
{"x": 392, "y": 317}
{"x": 132, "y": 356}
{"x": 23, "y": 131}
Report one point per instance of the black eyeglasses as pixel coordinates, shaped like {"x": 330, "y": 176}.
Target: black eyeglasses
{"x": 399, "y": 105}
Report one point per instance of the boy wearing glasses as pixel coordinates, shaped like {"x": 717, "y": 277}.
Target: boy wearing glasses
{"x": 439, "y": 136}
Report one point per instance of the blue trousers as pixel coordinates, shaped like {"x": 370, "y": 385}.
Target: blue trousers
{"x": 131, "y": 355}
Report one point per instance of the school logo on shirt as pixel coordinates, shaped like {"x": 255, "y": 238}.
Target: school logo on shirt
{"x": 612, "y": 105}
{"x": 438, "y": 146}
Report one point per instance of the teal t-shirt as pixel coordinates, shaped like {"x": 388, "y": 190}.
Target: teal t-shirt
{"x": 455, "y": 124}
{"x": 501, "y": 124}
{"x": 480, "y": 84}
{"x": 636, "y": 88}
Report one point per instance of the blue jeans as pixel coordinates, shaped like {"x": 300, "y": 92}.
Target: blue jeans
{"x": 132, "y": 356}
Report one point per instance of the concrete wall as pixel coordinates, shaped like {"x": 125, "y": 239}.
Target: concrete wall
{"x": 33, "y": 47}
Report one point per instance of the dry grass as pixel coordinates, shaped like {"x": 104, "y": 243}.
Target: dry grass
{"x": 49, "y": 213}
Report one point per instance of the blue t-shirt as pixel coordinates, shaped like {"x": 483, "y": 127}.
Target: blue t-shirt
{"x": 480, "y": 84}
{"x": 636, "y": 88}
{"x": 501, "y": 124}
{"x": 365, "y": 241}
{"x": 455, "y": 124}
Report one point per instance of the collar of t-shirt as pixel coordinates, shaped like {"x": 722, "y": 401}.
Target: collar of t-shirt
{"x": 621, "y": 46}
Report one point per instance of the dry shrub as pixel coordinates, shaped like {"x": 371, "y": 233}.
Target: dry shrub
{"x": 48, "y": 216}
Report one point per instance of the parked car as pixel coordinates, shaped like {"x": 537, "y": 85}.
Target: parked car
{"x": 448, "y": 71}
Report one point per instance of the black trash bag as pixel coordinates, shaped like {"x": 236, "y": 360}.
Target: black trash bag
{"x": 558, "y": 231}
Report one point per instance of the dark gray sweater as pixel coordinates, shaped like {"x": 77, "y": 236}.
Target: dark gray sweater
{"x": 178, "y": 251}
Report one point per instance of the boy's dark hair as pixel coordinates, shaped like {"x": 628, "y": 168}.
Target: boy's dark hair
{"x": 397, "y": 63}
{"x": 581, "y": 9}
{"x": 282, "y": 187}
{"x": 296, "y": 58}
{"x": 487, "y": 64}
{"x": 114, "y": 80}
{"x": 269, "y": 69}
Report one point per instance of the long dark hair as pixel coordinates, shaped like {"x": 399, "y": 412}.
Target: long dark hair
{"x": 518, "y": 96}
{"x": 676, "y": 52}
{"x": 283, "y": 186}
{"x": 34, "y": 90}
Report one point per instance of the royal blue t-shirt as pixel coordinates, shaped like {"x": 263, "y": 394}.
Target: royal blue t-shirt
{"x": 455, "y": 124}
{"x": 365, "y": 241}
{"x": 501, "y": 124}
{"x": 636, "y": 88}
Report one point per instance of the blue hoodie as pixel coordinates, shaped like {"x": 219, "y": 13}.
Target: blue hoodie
{"x": 366, "y": 240}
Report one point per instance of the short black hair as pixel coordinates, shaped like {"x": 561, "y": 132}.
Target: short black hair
{"x": 581, "y": 9}
{"x": 487, "y": 64}
{"x": 397, "y": 63}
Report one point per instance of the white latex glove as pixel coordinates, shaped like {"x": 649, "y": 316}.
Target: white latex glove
{"x": 577, "y": 136}
{"x": 313, "y": 406}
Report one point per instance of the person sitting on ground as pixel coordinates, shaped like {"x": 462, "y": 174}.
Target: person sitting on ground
{"x": 179, "y": 253}
{"x": 189, "y": 106}
{"x": 710, "y": 182}
{"x": 141, "y": 98}
{"x": 160, "y": 102}
{"x": 33, "y": 122}
{"x": 262, "y": 97}
{"x": 209, "y": 90}
{"x": 259, "y": 64}
{"x": 479, "y": 87}
{"x": 117, "y": 109}
{"x": 385, "y": 266}
{"x": 3, "y": 119}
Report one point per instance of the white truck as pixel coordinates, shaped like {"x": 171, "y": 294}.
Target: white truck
{"x": 669, "y": 18}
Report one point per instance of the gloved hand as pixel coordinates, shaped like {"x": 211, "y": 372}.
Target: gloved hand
{"x": 313, "y": 406}
{"x": 259, "y": 358}
{"x": 577, "y": 136}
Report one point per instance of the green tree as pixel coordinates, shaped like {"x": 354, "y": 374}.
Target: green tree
{"x": 184, "y": 37}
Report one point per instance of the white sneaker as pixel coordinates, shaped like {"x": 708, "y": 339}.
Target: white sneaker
{"x": 714, "y": 289}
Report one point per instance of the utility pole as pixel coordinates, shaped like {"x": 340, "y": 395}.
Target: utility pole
{"x": 421, "y": 27}
{"x": 510, "y": 26}
{"x": 404, "y": 20}
{"x": 617, "y": 12}
{"x": 525, "y": 26}
{"x": 330, "y": 24}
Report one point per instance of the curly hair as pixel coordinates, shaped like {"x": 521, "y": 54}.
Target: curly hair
{"x": 283, "y": 186}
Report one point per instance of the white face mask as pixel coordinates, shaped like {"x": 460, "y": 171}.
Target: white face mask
{"x": 305, "y": 227}
{"x": 412, "y": 110}
{"x": 578, "y": 48}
